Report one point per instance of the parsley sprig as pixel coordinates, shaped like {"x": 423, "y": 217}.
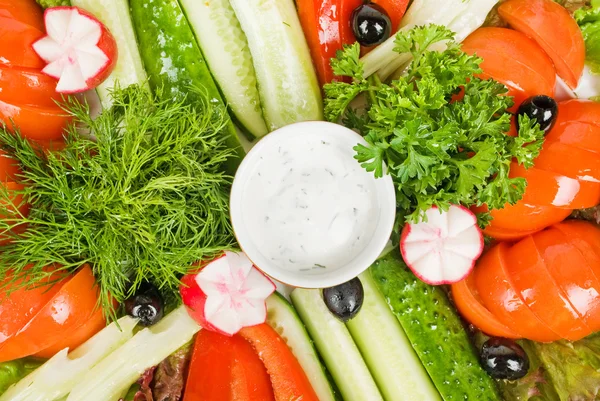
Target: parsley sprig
{"x": 439, "y": 129}
{"x": 144, "y": 200}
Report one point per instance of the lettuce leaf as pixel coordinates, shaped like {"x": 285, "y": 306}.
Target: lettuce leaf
{"x": 588, "y": 19}
{"x": 559, "y": 371}
{"x": 13, "y": 371}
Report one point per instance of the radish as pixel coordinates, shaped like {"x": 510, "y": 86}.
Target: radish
{"x": 80, "y": 51}
{"x": 444, "y": 247}
{"x": 228, "y": 293}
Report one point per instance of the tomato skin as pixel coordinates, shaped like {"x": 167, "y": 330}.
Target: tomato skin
{"x": 77, "y": 337}
{"x": 501, "y": 299}
{"x": 553, "y": 28}
{"x": 514, "y": 60}
{"x": 524, "y": 217}
{"x": 226, "y": 369}
{"x": 506, "y": 234}
{"x": 570, "y": 161}
{"x": 68, "y": 310}
{"x": 287, "y": 376}
{"x": 25, "y": 11}
{"x": 16, "y": 40}
{"x": 531, "y": 279}
{"x": 395, "y": 10}
{"x": 35, "y": 122}
{"x": 27, "y": 87}
{"x": 470, "y": 307}
{"x": 547, "y": 188}
{"x": 579, "y": 285}
{"x": 327, "y": 27}
{"x": 21, "y": 305}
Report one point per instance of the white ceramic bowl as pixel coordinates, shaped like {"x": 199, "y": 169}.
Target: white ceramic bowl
{"x": 382, "y": 210}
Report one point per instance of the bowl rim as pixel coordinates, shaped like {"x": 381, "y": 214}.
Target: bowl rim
{"x": 385, "y": 194}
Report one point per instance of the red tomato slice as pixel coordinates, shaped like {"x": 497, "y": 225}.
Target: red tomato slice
{"x": 9, "y": 168}
{"x": 514, "y": 60}
{"x": 395, "y": 10}
{"x": 25, "y": 11}
{"x": 287, "y": 376}
{"x": 250, "y": 380}
{"x": 569, "y": 161}
{"x": 327, "y": 27}
{"x": 35, "y": 122}
{"x": 525, "y": 217}
{"x": 68, "y": 310}
{"x": 530, "y": 277}
{"x": 469, "y": 305}
{"x": 16, "y": 40}
{"x": 580, "y": 135}
{"x": 226, "y": 369}
{"x": 553, "y": 28}
{"x": 503, "y": 234}
{"x": 501, "y": 299}
{"x": 575, "y": 276}
{"x": 27, "y": 87}
{"x": 20, "y": 306}
{"x": 80, "y": 335}
{"x": 580, "y": 110}
{"x": 547, "y": 188}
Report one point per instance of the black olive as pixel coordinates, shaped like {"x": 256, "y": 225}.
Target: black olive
{"x": 146, "y": 305}
{"x": 541, "y": 108}
{"x": 371, "y": 25}
{"x": 504, "y": 359}
{"x": 344, "y": 300}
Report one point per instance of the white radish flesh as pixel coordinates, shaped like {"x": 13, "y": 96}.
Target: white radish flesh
{"x": 444, "y": 248}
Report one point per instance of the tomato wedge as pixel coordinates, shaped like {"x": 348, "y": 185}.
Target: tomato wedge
{"x": 580, "y": 110}
{"x": 27, "y": 87}
{"x": 531, "y": 279}
{"x": 35, "y": 122}
{"x": 19, "y": 306}
{"x": 501, "y": 299}
{"x": 287, "y": 376}
{"x": 79, "y": 336}
{"x": 226, "y": 369}
{"x": 514, "y": 60}
{"x": 578, "y": 134}
{"x": 547, "y": 188}
{"x": 327, "y": 27}
{"x": 469, "y": 305}
{"x": 574, "y": 275}
{"x": 553, "y": 28}
{"x": 9, "y": 168}
{"x": 16, "y": 40}
{"x": 25, "y": 11}
{"x": 68, "y": 310}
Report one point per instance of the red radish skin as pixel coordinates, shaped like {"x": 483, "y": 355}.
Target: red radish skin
{"x": 227, "y": 294}
{"x": 465, "y": 270}
{"x": 58, "y": 63}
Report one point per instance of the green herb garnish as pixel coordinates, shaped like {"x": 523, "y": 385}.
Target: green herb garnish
{"x": 143, "y": 201}
{"x": 438, "y": 148}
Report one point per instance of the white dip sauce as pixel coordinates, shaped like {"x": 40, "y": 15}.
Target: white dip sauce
{"x": 308, "y": 204}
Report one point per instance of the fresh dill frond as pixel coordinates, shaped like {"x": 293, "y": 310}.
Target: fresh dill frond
{"x": 143, "y": 200}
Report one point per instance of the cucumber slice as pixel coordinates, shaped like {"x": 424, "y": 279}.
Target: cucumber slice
{"x": 225, "y": 48}
{"x": 287, "y": 81}
{"x": 173, "y": 60}
{"x": 388, "y": 353}
{"x": 435, "y": 332}
{"x": 129, "y": 69}
{"x": 284, "y": 319}
{"x": 335, "y": 344}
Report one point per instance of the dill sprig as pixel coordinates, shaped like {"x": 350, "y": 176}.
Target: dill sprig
{"x": 142, "y": 199}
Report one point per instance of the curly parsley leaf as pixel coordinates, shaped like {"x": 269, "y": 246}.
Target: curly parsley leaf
{"x": 439, "y": 130}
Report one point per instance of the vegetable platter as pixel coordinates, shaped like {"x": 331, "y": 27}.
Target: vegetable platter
{"x": 316, "y": 200}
